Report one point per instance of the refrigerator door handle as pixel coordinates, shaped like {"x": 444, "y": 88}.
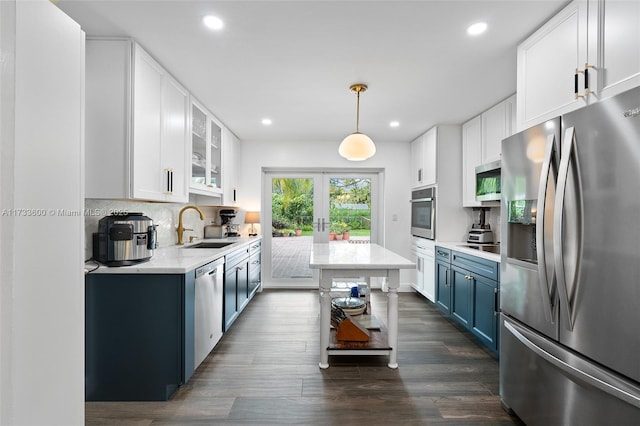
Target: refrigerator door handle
{"x": 580, "y": 371}
{"x": 568, "y": 156}
{"x": 540, "y": 248}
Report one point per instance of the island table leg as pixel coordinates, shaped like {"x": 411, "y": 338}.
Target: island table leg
{"x": 392, "y": 316}
{"x": 325, "y": 318}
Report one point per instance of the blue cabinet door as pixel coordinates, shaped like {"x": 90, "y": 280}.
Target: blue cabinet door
{"x": 242, "y": 278}
{"x": 443, "y": 287}
{"x": 461, "y": 302}
{"x": 230, "y": 297}
{"x": 254, "y": 273}
{"x": 484, "y": 324}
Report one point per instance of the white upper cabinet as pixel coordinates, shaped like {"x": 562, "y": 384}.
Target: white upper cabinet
{"x": 497, "y": 124}
{"x": 160, "y": 123}
{"x": 230, "y": 167}
{"x": 618, "y": 60}
{"x": 137, "y": 122}
{"x": 547, "y": 64}
{"x": 423, "y": 159}
{"x": 429, "y": 156}
{"x": 482, "y": 143}
{"x": 417, "y": 166}
{"x": 588, "y": 51}
{"x": 471, "y": 158}
{"x": 206, "y": 152}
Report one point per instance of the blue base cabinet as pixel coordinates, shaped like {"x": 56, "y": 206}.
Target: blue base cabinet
{"x": 461, "y": 306}
{"x": 443, "y": 280}
{"x": 236, "y": 285}
{"x": 467, "y": 291}
{"x": 139, "y": 335}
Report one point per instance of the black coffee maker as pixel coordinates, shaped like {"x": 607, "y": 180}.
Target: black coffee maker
{"x": 226, "y": 218}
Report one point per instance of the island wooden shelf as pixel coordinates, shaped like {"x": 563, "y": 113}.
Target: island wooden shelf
{"x": 378, "y": 342}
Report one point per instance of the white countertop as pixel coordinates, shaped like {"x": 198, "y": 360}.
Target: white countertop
{"x": 460, "y": 246}
{"x": 356, "y": 256}
{"x": 177, "y": 259}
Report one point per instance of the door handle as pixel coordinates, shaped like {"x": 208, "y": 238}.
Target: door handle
{"x": 323, "y": 224}
{"x": 568, "y": 156}
{"x": 543, "y": 282}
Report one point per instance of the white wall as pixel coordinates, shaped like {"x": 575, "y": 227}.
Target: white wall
{"x": 394, "y": 158}
{"x": 42, "y": 145}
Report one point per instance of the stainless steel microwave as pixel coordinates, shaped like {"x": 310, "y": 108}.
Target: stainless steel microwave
{"x": 423, "y": 213}
{"x": 488, "y": 182}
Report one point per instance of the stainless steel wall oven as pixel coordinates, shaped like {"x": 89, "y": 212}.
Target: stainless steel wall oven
{"x": 423, "y": 213}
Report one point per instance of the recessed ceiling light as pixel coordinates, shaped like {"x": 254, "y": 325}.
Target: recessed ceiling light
{"x": 213, "y": 22}
{"x": 477, "y": 28}
{"x": 266, "y": 121}
{"x": 394, "y": 124}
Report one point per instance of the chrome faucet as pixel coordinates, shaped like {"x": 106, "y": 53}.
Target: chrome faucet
{"x": 181, "y": 228}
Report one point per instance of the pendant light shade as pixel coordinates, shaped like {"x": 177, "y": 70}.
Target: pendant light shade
{"x": 357, "y": 146}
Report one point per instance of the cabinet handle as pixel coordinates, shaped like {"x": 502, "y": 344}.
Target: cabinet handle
{"x": 586, "y": 79}
{"x": 240, "y": 268}
{"x": 419, "y": 175}
{"x": 575, "y": 84}
{"x": 169, "y": 172}
{"x": 496, "y": 309}
{"x": 446, "y": 278}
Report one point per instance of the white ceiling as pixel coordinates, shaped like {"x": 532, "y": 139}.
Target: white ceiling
{"x": 293, "y": 61}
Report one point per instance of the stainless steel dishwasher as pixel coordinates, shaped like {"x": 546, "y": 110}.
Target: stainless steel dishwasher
{"x": 209, "y": 296}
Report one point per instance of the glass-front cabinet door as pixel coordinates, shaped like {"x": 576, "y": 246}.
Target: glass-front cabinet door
{"x": 206, "y": 158}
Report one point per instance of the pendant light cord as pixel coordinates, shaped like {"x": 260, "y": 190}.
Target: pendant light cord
{"x": 358, "y": 112}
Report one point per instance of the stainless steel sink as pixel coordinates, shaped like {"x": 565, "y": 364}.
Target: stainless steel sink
{"x": 210, "y": 244}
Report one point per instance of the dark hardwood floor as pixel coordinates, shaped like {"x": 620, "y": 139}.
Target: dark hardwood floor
{"x": 265, "y": 371}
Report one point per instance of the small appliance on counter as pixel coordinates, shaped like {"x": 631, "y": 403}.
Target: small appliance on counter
{"x": 124, "y": 239}
{"x": 480, "y": 232}
{"x": 222, "y": 227}
{"x": 226, "y": 217}
{"x": 480, "y": 236}
{"x": 233, "y": 230}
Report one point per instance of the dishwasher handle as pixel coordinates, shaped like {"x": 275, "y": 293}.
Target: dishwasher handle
{"x": 209, "y": 268}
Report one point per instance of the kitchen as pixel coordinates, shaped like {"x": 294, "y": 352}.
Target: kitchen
{"x": 254, "y": 153}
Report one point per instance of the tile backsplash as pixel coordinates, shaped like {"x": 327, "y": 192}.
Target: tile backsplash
{"x": 164, "y": 215}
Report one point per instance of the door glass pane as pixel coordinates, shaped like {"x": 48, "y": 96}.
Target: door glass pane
{"x": 198, "y": 146}
{"x": 292, "y": 227}
{"x": 349, "y": 210}
{"x": 214, "y": 150}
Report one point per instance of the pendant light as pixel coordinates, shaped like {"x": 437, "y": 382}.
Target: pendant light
{"x": 357, "y": 146}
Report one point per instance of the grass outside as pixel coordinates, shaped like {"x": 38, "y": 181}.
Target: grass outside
{"x": 353, "y": 233}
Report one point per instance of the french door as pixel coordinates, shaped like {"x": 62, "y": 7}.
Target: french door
{"x": 303, "y": 208}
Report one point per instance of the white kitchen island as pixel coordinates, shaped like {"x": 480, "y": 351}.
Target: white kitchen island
{"x": 343, "y": 260}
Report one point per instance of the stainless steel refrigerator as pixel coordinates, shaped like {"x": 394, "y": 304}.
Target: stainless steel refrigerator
{"x": 570, "y": 267}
